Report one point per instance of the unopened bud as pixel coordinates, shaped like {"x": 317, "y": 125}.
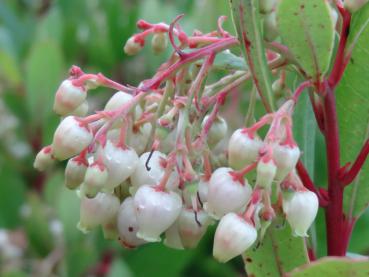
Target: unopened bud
{"x": 266, "y": 6}
{"x": 242, "y": 149}
{"x": 75, "y": 173}
{"x": 233, "y": 236}
{"x": 217, "y": 131}
{"x": 132, "y": 47}
{"x": 68, "y": 97}
{"x": 270, "y": 27}
{"x": 159, "y": 43}
{"x": 285, "y": 158}
{"x": 70, "y": 138}
{"x": 44, "y": 159}
{"x": 265, "y": 173}
{"x": 95, "y": 179}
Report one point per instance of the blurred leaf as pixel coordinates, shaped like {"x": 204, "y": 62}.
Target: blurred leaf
{"x": 9, "y": 70}
{"x": 36, "y": 224}
{"x": 278, "y": 253}
{"x": 44, "y": 71}
{"x": 332, "y": 266}
{"x": 51, "y": 26}
{"x": 353, "y": 117}
{"x": 12, "y": 195}
{"x": 119, "y": 268}
{"x": 307, "y": 29}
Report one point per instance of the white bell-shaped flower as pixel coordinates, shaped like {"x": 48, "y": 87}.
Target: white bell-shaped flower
{"x": 226, "y": 194}
{"x": 138, "y": 139}
{"x": 97, "y": 211}
{"x": 70, "y": 138}
{"x": 233, "y": 236}
{"x": 120, "y": 162}
{"x": 142, "y": 176}
{"x": 203, "y": 190}
{"x": 300, "y": 208}
{"x": 172, "y": 237}
{"x": 192, "y": 226}
{"x": 44, "y": 159}
{"x": 81, "y": 110}
{"x": 156, "y": 211}
{"x": 68, "y": 97}
{"x": 127, "y": 224}
{"x": 74, "y": 173}
{"x": 242, "y": 149}
{"x": 285, "y": 158}
{"x": 217, "y": 131}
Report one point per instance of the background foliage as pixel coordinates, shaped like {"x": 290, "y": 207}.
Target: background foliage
{"x": 39, "y": 41}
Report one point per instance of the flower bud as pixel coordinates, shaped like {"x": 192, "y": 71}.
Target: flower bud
{"x": 270, "y": 27}
{"x": 142, "y": 176}
{"x": 132, "y": 47}
{"x": 285, "y": 158}
{"x": 233, "y": 236}
{"x": 70, "y": 138}
{"x": 217, "y": 131}
{"x": 300, "y": 208}
{"x": 44, "y": 159}
{"x": 120, "y": 162}
{"x": 192, "y": 226}
{"x": 203, "y": 190}
{"x": 266, "y": 6}
{"x": 127, "y": 224}
{"x": 242, "y": 149}
{"x": 354, "y": 5}
{"x": 226, "y": 194}
{"x": 95, "y": 179}
{"x": 75, "y": 172}
{"x": 265, "y": 173}
{"x": 156, "y": 211}
{"x": 97, "y": 211}
{"x": 68, "y": 97}
{"x": 159, "y": 43}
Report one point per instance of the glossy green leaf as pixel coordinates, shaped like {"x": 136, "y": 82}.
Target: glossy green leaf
{"x": 247, "y": 21}
{"x": 278, "y": 253}
{"x": 307, "y": 29}
{"x": 333, "y": 267}
{"x": 353, "y": 115}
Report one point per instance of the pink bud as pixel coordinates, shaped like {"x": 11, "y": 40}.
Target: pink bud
{"x": 233, "y": 236}
{"x": 225, "y": 193}
{"x": 156, "y": 211}
{"x": 120, "y": 162}
{"x": 132, "y": 47}
{"x": 70, "y": 138}
{"x": 68, "y": 97}
{"x": 44, "y": 159}
{"x": 127, "y": 224}
{"x": 300, "y": 208}
{"x": 242, "y": 149}
{"x": 75, "y": 173}
{"x": 97, "y": 211}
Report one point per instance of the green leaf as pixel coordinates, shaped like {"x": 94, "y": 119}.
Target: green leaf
{"x": 278, "y": 253}
{"x": 333, "y": 267}
{"x": 353, "y": 115}
{"x": 9, "y": 70}
{"x": 247, "y": 21}
{"x": 307, "y": 29}
{"x": 44, "y": 73}
{"x": 12, "y": 195}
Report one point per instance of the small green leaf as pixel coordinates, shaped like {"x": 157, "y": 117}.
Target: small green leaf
{"x": 278, "y": 253}
{"x": 44, "y": 73}
{"x": 333, "y": 267}
{"x": 353, "y": 115}
{"x": 307, "y": 29}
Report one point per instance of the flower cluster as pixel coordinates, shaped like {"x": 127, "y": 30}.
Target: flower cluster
{"x": 158, "y": 159}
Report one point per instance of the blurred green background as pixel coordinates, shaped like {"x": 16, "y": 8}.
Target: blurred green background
{"x": 39, "y": 41}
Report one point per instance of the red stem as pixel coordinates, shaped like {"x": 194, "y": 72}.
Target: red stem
{"x": 351, "y": 174}
{"x": 334, "y": 211}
